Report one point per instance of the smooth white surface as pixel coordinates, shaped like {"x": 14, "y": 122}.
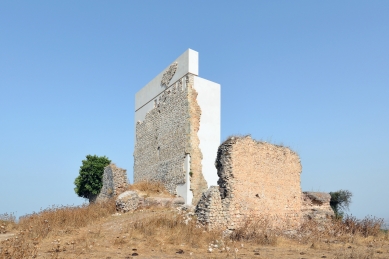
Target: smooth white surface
{"x": 208, "y": 99}
{"x": 188, "y": 62}
{"x": 183, "y": 190}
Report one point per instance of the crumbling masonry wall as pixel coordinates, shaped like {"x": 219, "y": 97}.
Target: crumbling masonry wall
{"x": 256, "y": 179}
{"x": 316, "y": 206}
{"x": 114, "y": 182}
{"x": 166, "y": 135}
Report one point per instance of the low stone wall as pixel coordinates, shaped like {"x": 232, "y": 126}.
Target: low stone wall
{"x": 114, "y": 182}
{"x": 316, "y": 206}
{"x": 256, "y": 179}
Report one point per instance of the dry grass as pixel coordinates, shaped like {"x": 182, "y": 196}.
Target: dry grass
{"x": 170, "y": 227}
{"x": 64, "y": 219}
{"x": 150, "y": 188}
{"x": 32, "y": 229}
{"x": 347, "y": 230}
{"x": 257, "y": 231}
{"x": 96, "y": 231}
{"x": 7, "y": 222}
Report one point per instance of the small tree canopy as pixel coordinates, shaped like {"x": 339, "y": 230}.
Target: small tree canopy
{"x": 340, "y": 201}
{"x": 90, "y": 181}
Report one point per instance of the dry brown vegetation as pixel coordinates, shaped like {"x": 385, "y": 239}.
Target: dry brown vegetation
{"x": 96, "y": 231}
{"x": 33, "y": 229}
{"x": 150, "y": 188}
{"x": 7, "y": 222}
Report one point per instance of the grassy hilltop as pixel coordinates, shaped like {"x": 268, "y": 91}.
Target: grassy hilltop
{"x": 97, "y": 231}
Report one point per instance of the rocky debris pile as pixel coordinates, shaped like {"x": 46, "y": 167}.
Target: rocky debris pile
{"x": 132, "y": 200}
{"x": 127, "y": 201}
{"x": 164, "y": 202}
{"x": 316, "y": 206}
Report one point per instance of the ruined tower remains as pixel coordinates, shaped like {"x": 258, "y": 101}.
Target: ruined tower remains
{"x": 257, "y": 180}
{"x": 177, "y": 129}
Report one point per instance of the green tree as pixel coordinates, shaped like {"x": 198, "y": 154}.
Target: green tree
{"x": 340, "y": 201}
{"x": 89, "y": 182}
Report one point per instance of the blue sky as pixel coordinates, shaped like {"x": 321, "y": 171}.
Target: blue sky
{"x": 312, "y": 75}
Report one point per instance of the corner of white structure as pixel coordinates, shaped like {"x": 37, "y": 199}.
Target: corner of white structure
{"x": 193, "y": 64}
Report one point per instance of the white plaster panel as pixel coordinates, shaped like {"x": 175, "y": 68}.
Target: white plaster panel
{"x": 188, "y": 62}
{"x": 209, "y": 133}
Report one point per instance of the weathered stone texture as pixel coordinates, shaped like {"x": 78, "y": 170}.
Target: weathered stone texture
{"x": 209, "y": 210}
{"x": 132, "y": 200}
{"x": 316, "y": 206}
{"x": 114, "y": 182}
{"x": 128, "y": 201}
{"x": 167, "y": 134}
{"x": 198, "y": 185}
{"x": 256, "y": 179}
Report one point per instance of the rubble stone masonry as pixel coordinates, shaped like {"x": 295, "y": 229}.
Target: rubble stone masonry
{"x": 166, "y": 135}
{"x": 316, "y": 206}
{"x": 114, "y": 182}
{"x": 256, "y": 179}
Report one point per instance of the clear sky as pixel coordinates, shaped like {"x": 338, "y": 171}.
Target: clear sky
{"x": 312, "y": 75}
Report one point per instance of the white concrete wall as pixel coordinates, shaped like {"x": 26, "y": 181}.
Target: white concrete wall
{"x": 188, "y": 62}
{"x": 209, "y": 133}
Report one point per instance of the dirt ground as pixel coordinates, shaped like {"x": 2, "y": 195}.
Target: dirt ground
{"x": 112, "y": 238}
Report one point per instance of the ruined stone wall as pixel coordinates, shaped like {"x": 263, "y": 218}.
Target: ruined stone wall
{"x": 209, "y": 210}
{"x": 114, "y": 182}
{"x": 166, "y": 135}
{"x": 256, "y": 179}
{"x": 316, "y": 206}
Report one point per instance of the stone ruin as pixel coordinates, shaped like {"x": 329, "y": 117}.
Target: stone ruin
{"x": 316, "y": 206}
{"x": 177, "y": 134}
{"x": 256, "y": 179}
{"x": 114, "y": 182}
{"x": 177, "y": 129}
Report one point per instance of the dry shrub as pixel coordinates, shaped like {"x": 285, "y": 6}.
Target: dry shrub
{"x": 7, "y": 222}
{"x": 151, "y": 188}
{"x": 171, "y": 228}
{"x": 369, "y": 226}
{"x": 347, "y": 228}
{"x": 34, "y": 227}
{"x": 65, "y": 218}
{"x": 257, "y": 230}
